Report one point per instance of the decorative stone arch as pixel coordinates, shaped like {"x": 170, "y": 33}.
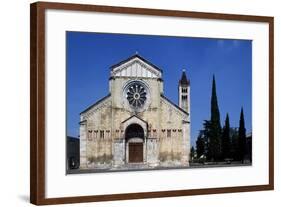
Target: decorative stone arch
{"x": 134, "y": 120}
{"x": 134, "y": 133}
{"x": 136, "y": 140}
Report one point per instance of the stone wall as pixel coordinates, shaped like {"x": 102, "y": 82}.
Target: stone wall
{"x": 174, "y": 138}
{"x": 152, "y": 152}
{"x": 96, "y": 134}
{"x": 119, "y": 152}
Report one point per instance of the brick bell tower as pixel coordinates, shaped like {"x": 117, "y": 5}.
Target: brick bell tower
{"x": 184, "y": 92}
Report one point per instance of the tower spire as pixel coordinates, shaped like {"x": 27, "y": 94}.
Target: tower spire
{"x": 184, "y": 92}
{"x": 184, "y": 81}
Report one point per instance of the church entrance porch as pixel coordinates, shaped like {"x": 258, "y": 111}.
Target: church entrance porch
{"x": 134, "y": 138}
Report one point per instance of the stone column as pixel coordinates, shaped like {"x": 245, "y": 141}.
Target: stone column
{"x": 83, "y": 145}
{"x": 145, "y": 150}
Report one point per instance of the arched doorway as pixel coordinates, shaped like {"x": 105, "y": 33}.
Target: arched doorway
{"x": 134, "y": 136}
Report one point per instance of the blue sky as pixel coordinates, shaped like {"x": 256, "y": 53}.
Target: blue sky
{"x": 89, "y": 56}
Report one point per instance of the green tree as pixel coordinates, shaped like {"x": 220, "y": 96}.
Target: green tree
{"x": 226, "y": 139}
{"x": 206, "y": 134}
{"x": 214, "y": 144}
{"x": 200, "y": 145}
{"x": 234, "y": 143}
{"x": 242, "y": 137}
{"x": 192, "y": 153}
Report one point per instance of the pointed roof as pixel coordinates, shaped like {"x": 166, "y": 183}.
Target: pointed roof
{"x": 133, "y": 57}
{"x": 184, "y": 81}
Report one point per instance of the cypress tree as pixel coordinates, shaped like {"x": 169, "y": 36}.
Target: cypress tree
{"x": 205, "y": 135}
{"x": 234, "y": 143}
{"x": 192, "y": 152}
{"x": 215, "y": 129}
{"x": 241, "y": 138}
{"x": 226, "y": 139}
{"x": 200, "y": 145}
{"x": 215, "y": 113}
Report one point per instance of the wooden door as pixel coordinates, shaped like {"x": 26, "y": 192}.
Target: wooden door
{"x": 135, "y": 152}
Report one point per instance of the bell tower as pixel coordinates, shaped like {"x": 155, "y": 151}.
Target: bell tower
{"x": 184, "y": 92}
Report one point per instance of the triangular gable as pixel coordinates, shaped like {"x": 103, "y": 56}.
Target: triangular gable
{"x": 136, "y": 66}
{"x": 134, "y": 120}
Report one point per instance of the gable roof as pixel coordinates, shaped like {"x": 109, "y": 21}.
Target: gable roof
{"x": 175, "y": 105}
{"x": 96, "y": 103}
{"x": 133, "y": 57}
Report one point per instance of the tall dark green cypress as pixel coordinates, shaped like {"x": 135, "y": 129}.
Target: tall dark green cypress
{"x": 200, "y": 145}
{"x": 226, "y": 139}
{"x": 242, "y": 137}
{"x": 234, "y": 143}
{"x": 206, "y": 135}
{"x": 215, "y": 130}
{"x": 192, "y": 152}
{"x": 215, "y": 113}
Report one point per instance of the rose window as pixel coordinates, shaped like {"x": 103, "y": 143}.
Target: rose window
{"x": 136, "y": 94}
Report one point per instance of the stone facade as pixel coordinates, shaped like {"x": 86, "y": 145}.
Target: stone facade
{"x": 135, "y": 123}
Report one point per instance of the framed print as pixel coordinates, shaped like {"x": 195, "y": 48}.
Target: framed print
{"x": 130, "y": 103}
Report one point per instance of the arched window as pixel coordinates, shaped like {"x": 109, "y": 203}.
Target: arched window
{"x": 168, "y": 133}
{"x": 101, "y": 134}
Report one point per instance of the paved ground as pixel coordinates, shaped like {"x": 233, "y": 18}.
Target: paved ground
{"x": 141, "y": 167}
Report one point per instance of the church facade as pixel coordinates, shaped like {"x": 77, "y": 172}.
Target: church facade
{"x": 135, "y": 124}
